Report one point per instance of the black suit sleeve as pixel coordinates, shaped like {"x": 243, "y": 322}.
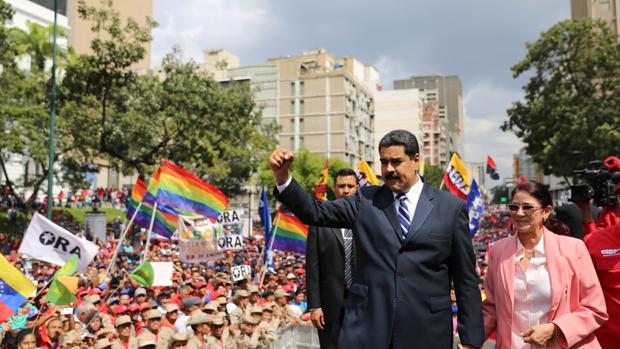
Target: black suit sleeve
{"x": 335, "y": 214}
{"x": 312, "y": 269}
{"x": 463, "y": 271}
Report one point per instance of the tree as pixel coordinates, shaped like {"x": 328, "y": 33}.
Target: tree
{"x": 6, "y": 49}
{"x": 571, "y": 109}
{"x": 499, "y": 192}
{"x": 306, "y": 169}
{"x": 433, "y": 175}
{"x": 37, "y": 42}
{"x": 136, "y": 121}
{"x": 24, "y": 109}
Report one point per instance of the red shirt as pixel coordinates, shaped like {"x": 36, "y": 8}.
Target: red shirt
{"x": 604, "y": 247}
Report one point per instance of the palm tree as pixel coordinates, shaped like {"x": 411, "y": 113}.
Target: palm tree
{"x": 37, "y": 43}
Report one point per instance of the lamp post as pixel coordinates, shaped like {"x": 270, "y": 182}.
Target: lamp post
{"x": 50, "y": 166}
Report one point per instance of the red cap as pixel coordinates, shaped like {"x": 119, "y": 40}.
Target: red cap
{"x": 119, "y": 309}
{"x": 133, "y": 307}
{"x": 145, "y": 306}
{"x": 94, "y": 291}
{"x": 200, "y": 284}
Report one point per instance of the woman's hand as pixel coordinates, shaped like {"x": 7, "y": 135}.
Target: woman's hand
{"x": 542, "y": 335}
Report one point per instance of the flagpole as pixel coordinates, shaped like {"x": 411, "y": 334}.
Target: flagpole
{"x": 273, "y": 238}
{"x": 441, "y": 185}
{"x": 148, "y": 234}
{"x": 122, "y": 239}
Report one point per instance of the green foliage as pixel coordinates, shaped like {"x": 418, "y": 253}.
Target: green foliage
{"x": 37, "y": 42}
{"x": 433, "y": 175}
{"x": 306, "y": 169}
{"x": 136, "y": 121}
{"x": 7, "y": 52}
{"x": 498, "y": 193}
{"x": 78, "y": 213}
{"x": 571, "y": 110}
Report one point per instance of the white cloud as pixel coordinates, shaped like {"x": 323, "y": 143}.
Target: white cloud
{"x": 196, "y": 25}
{"x": 485, "y": 106}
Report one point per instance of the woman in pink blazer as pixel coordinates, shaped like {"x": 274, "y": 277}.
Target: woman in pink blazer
{"x": 541, "y": 287}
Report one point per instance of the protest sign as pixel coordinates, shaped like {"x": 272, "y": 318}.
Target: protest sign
{"x": 240, "y": 272}
{"x": 198, "y": 240}
{"x": 163, "y": 273}
{"x": 51, "y": 243}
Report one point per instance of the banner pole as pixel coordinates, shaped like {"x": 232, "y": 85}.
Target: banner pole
{"x": 148, "y": 234}
{"x": 121, "y": 239}
{"x": 273, "y": 238}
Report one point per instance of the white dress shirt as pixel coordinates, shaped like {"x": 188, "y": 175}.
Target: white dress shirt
{"x": 532, "y": 294}
{"x": 413, "y": 196}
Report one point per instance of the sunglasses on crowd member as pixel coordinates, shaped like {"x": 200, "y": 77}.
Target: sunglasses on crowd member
{"x": 527, "y": 208}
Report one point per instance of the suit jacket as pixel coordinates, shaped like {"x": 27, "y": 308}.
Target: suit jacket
{"x": 577, "y": 302}
{"x": 325, "y": 279}
{"x": 400, "y": 296}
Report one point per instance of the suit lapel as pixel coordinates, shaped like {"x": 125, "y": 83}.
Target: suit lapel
{"x": 422, "y": 211}
{"x": 386, "y": 203}
{"x": 338, "y": 233}
{"x": 554, "y": 263}
{"x": 508, "y": 268}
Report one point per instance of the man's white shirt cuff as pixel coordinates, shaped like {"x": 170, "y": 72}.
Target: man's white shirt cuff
{"x": 283, "y": 186}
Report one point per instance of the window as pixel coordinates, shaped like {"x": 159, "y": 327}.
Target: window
{"x": 301, "y": 88}
{"x": 291, "y": 143}
{"x": 292, "y": 126}
{"x": 292, "y": 107}
{"x": 604, "y": 5}
{"x": 301, "y": 108}
{"x": 301, "y": 125}
{"x": 293, "y": 88}
{"x": 301, "y": 142}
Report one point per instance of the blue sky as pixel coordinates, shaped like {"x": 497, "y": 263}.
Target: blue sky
{"x": 479, "y": 40}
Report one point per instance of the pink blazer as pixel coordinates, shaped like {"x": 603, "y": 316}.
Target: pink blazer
{"x": 577, "y": 303}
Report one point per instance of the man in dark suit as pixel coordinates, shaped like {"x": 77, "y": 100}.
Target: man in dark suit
{"x": 411, "y": 242}
{"x": 329, "y": 266}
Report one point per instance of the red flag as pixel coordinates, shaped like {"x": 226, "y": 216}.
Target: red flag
{"x": 492, "y": 168}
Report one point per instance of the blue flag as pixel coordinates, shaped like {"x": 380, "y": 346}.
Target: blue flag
{"x": 263, "y": 212}
{"x": 475, "y": 207}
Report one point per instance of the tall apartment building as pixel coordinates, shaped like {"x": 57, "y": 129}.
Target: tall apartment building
{"x": 397, "y": 109}
{"x": 325, "y": 104}
{"x": 607, "y": 10}
{"x": 434, "y": 144}
{"x": 447, "y": 92}
{"x": 81, "y": 35}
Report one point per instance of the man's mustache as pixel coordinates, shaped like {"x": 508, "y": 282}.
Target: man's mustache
{"x": 392, "y": 175}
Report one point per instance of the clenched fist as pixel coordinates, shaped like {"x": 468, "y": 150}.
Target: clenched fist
{"x": 280, "y": 161}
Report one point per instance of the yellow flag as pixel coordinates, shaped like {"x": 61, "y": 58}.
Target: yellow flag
{"x": 320, "y": 190}
{"x": 421, "y": 167}
{"x": 366, "y": 175}
{"x": 456, "y": 177}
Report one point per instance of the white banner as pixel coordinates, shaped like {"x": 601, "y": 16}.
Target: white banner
{"x": 230, "y": 242}
{"x": 163, "y": 273}
{"x": 51, "y": 243}
{"x": 240, "y": 272}
{"x": 198, "y": 240}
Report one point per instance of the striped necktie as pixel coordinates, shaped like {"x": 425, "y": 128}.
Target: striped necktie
{"x": 348, "y": 257}
{"x": 403, "y": 214}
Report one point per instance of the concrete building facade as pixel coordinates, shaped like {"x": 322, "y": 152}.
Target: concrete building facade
{"x": 81, "y": 35}
{"x": 325, "y": 105}
{"x": 607, "y": 10}
{"x": 397, "y": 109}
{"x": 434, "y": 145}
{"x": 446, "y": 91}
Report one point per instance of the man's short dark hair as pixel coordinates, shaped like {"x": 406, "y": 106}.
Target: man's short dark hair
{"x": 401, "y": 137}
{"x": 345, "y": 172}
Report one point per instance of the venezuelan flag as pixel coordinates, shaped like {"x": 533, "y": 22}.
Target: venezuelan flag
{"x": 187, "y": 194}
{"x": 14, "y": 289}
{"x": 291, "y": 233}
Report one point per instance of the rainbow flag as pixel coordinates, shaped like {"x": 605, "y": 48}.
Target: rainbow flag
{"x": 166, "y": 219}
{"x": 291, "y": 233}
{"x": 14, "y": 289}
{"x": 187, "y": 194}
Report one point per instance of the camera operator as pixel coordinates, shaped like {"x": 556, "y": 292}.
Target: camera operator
{"x": 603, "y": 242}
